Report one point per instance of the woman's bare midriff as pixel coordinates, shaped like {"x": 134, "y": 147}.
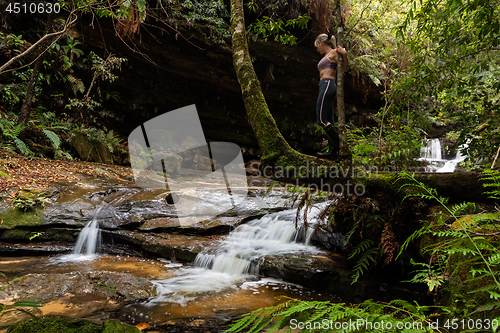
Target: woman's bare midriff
{"x": 327, "y": 74}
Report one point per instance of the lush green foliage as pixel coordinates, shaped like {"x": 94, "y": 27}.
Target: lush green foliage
{"x": 66, "y": 68}
{"x": 208, "y": 17}
{"x": 463, "y": 254}
{"x": 396, "y": 150}
{"x": 455, "y": 67}
{"x": 315, "y": 316}
{"x": 371, "y": 37}
{"x": 279, "y": 20}
{"x": 274, "y": 26}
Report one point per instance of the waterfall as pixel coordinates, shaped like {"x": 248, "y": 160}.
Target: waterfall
{"x": 432, "y": 154}
{"x": 89, "y": 239}
{"x": 450, "y": 165}
{"x": 244, "y": 247}
{"x": 431, "y": 151}
{"x": 88, "y": 242}
{"x": 238, "y": 257}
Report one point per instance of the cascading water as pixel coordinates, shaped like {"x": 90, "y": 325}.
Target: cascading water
{"x": 432, "y": 154}
{"x": 450, "y": 165}
{"x": 89, "y": 239}
{"x": 243, "y": 248}
{"x": 88, "y": 242}
{"x": 238, "y": 257}
{"x": 432, "y": 151}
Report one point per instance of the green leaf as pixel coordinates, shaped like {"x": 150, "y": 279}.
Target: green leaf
{"x": 53, "y": 137}
{"x": 22, "y": 147}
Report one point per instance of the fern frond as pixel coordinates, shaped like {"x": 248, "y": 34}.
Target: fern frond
{"x": 246, "y": 320}
{"x": 412, "y": 237}
{"x": 53, "y": 137}
{"x": 76, "y": 84}
{"x": 361, "y": 247}
{"x": 461, "y": 208}
{"x": 22, "y": 147}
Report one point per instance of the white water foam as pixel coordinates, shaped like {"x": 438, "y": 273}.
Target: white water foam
{"x": 239, "y": 256}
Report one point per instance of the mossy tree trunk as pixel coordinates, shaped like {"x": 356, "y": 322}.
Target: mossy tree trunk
{"x": 275, "y": 150}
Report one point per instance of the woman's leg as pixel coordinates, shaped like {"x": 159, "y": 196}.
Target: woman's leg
{"x": 324, "y": 116}
{"x": 324, "y": 105}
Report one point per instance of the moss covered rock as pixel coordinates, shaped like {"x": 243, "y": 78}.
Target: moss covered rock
{"x": 12, "y": 218}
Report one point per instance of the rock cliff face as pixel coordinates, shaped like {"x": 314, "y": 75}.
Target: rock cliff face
{"x": 166, "y": 71}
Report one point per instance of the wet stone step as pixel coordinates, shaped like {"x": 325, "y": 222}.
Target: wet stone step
{"x": 33, "y": 249}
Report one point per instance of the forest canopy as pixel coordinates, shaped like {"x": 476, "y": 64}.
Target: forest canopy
{"x": 437, "y": 62}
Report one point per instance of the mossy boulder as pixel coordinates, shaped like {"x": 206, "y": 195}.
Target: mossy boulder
{"x": 12, "y": 218}
{"x": 91, "y": 150}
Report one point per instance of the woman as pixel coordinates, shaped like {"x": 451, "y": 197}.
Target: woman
{"x": 327, "y": 66}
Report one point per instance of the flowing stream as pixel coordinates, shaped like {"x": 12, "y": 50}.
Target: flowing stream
{"x": 223, "y": 281}
{"x": 235, "y": 261}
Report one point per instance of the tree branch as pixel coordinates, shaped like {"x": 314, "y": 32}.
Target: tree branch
{"x": 360, "y": 17}
{"x": 40, "y": 41}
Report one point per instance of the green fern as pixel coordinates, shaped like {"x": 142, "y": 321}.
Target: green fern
{"x": 53, "y": 137}
{"x": 316, "y": 316}
{"x": 363, "y": 263}
{"x": 491, "y": 179}
{"x": 361, "y": 248}
{"x": 22, "y": 147}
{"x": 462, "y": 208}
{"x": 467, "y": 237}
{"x": 76, "y": 84}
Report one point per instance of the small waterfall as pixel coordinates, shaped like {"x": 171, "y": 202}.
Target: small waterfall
{"x": 432, "y": 154}
{"x": 239, "y": 256}
{"x": 89, "y": 239}
{"x": 431, "y": 151}
{"x": 450, "y": 165}
{"x": 244, "y": 247}
{"x": 88, "y": 242}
